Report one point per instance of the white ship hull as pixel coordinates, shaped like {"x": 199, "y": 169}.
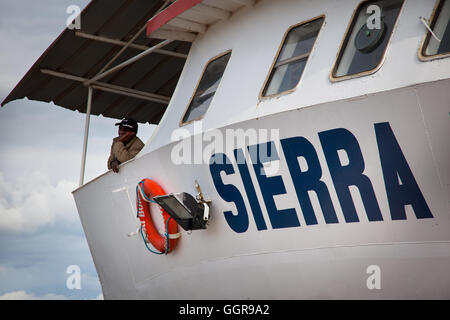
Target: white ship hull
{"x": 310, "y": 261}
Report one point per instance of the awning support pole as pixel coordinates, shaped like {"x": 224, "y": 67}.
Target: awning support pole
{"x": 105, "y": 86}
{"x": 144, "y": 27}
{"x": 127, "y": 62}
{"x": 86, "y": 134}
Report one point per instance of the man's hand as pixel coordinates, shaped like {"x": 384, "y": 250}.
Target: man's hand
{"x": 115, "y": 166}
{"x": 126, "y": 137}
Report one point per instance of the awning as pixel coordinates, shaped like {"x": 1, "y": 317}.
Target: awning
{"x": 115, "y": 32}
{"x": 141, "y": 90}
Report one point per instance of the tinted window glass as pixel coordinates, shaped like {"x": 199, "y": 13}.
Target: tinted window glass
{"x": 368, "y": 36}
{"x": 206, "y": 88}
{"x": 292, "y": 58}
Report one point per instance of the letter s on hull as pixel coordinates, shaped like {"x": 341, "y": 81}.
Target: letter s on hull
{"x": 228, "y": 192}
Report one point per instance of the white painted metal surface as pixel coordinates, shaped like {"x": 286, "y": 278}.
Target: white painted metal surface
{"x": 323, "y": 260}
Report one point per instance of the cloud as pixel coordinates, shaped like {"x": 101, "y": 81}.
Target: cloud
{"x": 23, "y": 295}
{"x": 32, "y": 202}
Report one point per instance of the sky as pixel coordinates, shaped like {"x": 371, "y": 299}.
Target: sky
{"x": 41, "y": 236}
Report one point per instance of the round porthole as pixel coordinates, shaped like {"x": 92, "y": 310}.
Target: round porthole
{"x": 367, "y": 40}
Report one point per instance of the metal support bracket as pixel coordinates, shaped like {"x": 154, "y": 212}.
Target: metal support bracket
{"x": 203, "y": 201}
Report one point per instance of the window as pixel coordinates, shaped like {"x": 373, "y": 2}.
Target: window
{"x": 365, "y": 43}
{"x": 291, "y": 60}
{"x": 206, "y": 88}
{"x": 440, "y": 24}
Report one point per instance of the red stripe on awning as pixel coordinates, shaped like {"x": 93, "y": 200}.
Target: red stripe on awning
{"x": 174, "y": 10}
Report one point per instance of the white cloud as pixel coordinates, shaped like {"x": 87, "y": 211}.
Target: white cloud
{"x": 23, "y": 295}
{"x": 32, "y": 202}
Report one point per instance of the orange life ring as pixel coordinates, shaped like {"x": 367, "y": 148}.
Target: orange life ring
{"x": 163, "y": 243}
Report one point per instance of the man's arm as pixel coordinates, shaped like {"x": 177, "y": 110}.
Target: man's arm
{"x": 123, "y": 154}
{"x": 111, "y": 157}
{"x": 113, "y": 163}
{"x": 110, "y": 160}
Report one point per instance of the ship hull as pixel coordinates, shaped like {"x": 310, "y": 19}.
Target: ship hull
{"x": 293, "y": 234}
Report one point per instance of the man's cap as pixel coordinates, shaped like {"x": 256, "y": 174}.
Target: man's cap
{"x": 128, "y": 123}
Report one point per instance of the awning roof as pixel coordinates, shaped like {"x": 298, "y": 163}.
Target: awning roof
{"x": 141, "y": 90}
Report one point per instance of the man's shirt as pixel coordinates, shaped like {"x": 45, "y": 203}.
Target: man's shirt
{"x": 124, "y": 152}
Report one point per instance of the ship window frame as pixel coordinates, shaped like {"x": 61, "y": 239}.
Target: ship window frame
{"x": 346, "y": 39}
{"x": 292, "y": 59}
{"x": 183, "y": 123}
{"x": 426, "y": 39}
